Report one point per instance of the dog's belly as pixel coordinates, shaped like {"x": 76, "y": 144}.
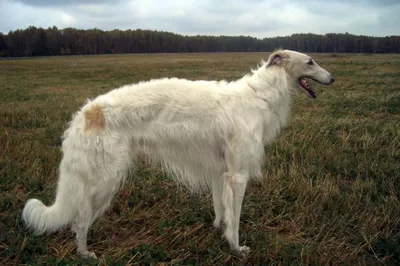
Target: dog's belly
{"x": 192, "y": 164}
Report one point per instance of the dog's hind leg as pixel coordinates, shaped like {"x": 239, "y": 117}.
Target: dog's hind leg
{"x": 94, "y": 208}
{"x": 81, "y": 226}
{"x": 101, "y": 204}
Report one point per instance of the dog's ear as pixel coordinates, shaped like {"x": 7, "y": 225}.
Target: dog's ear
{"x": 276, "y": 59}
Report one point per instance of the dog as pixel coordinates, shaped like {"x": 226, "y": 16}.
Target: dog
{"x": 207, "y": 134}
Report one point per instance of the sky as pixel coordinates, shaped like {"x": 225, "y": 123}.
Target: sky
{"x": 257, "y": 18}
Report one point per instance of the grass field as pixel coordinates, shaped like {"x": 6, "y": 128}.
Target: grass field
{"x": 332, "y": 179}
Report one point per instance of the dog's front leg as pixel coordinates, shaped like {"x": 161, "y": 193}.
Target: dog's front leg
{"x": 217, "y": 202}
{"x": 234, "y": 186}
{"x": 239, "y": 188}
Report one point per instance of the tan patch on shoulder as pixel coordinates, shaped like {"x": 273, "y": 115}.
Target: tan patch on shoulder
{"x": 94, "y": 119}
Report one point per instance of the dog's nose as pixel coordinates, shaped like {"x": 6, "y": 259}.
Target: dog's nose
{"x": 332, "y": 79}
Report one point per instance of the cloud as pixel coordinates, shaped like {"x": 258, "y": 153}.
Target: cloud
{"x": 259, "y": 18}
{"x": 58, "y": 3}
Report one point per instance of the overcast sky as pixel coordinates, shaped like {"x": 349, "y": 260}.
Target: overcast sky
{"x": 258, "y": 18}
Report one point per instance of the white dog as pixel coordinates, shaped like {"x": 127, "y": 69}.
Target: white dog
{"x": 205, "y": 133}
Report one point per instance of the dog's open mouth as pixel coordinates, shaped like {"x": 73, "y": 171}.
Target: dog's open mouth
{"x": 303, "y": 83}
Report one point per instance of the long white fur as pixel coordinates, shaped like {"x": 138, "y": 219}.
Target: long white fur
{"x": 205, "y": 133}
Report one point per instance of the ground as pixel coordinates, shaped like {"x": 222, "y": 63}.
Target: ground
{"x": 332, "y": 179}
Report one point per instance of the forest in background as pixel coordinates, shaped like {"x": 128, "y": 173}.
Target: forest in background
{"x": 52, "y": 41}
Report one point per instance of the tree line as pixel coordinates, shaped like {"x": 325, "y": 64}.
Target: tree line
{"x": 52, "y": 41}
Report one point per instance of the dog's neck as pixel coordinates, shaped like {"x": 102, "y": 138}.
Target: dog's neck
{"x": 271, "y": 86}
{"x": 274, "y": 89}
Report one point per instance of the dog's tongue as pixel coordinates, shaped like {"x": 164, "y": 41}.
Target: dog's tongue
{"x": 308, "y": 88}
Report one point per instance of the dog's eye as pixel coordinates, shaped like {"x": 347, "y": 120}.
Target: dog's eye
{"x": 310, "y": 62}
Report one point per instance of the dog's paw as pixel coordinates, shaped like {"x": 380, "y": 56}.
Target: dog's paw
{"x": 242, "y": 251}
{"x": 217, "y": 223}
{"x": 87, "y": 255}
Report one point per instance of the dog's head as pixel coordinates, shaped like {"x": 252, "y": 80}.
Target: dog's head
{"x": 298, "y": 67}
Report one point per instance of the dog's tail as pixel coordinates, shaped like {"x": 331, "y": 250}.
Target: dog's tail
{"x": 43, "y": 219}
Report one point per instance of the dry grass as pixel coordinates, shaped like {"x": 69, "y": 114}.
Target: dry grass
{"x": 331, "y": 189}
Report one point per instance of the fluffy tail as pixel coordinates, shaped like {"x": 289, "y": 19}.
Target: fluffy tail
{"x": 43, "y": 219}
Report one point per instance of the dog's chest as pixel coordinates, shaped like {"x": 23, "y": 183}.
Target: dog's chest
{"x": 275, "y": 120}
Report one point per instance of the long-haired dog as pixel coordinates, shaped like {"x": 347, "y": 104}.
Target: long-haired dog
{"x": 205, "y": 133}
